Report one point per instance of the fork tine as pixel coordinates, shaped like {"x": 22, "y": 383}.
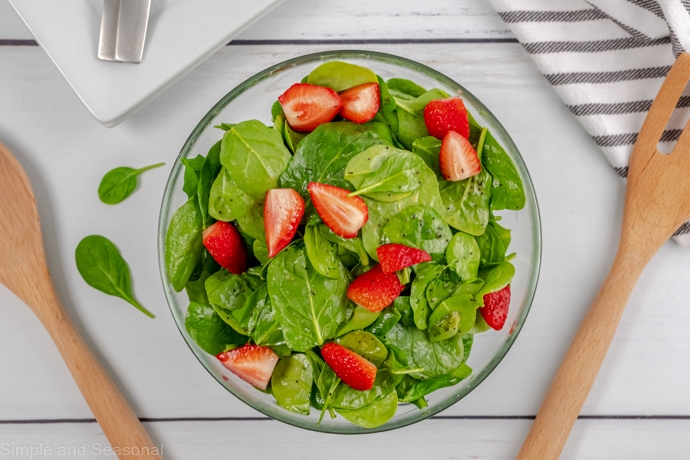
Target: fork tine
{"x": 663, "y": 107}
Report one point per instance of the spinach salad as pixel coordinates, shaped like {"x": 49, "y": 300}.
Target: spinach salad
{"x": 294, "y": 303}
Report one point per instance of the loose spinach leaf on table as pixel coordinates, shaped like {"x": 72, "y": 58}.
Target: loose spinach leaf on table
{"x": 255, "y": 156}
{"x": 102, "y": 266}
{"x": 119, "y": 183}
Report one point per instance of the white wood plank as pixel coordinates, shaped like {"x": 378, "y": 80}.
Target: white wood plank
{"x": 441, "y": 439}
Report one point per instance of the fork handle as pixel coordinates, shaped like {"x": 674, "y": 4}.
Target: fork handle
{"x": 583, "y": 360}
{"x": 120, "y": 425}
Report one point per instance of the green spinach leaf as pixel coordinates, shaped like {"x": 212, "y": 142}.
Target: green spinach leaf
{"x": 183, "y": 246}
{"x": 308, "y": 305}
{"x": 466, "y": 203}
{"x": 119, "y": 183}
{"x": 101, "y": 265}
{"x": 255, "y": 156}
{"x": 209, "y": 331}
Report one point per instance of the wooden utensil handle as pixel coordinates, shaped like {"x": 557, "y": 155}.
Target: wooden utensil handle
{"x": 121, "y": 426}
{"x": 582, "y": 362}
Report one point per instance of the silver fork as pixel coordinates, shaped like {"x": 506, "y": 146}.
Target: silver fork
{"x": 123, "y": 30}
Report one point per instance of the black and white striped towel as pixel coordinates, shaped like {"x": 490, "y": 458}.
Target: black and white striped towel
{"x": 606, "y": 59}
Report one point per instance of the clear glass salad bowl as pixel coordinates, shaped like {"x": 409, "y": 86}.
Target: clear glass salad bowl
{"x": 253, "y": 100}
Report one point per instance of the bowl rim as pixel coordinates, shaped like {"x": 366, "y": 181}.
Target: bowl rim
{"x": 506, "y": 141}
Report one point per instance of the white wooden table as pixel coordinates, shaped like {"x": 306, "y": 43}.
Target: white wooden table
{"x": 639, "y": 407}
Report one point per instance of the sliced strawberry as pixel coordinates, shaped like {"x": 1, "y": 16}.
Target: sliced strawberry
{"x": 394, "y": 256}
{"x": 343, "y": 214}
{"x": 375, "y": 289}
{"x": 252, "y": 363}
{"x": 283, "y": 211}
{"x": 360, "y": 103}
{"x": 443, "y": 115}
{"x": 353, "y": 369}
{"x": 458, "y": 160}
{"x": 224, "y": 243}
{"x": 306, "y": 106}
{"x": 495, "y": 309}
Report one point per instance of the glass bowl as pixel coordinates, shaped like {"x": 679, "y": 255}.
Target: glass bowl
{"x": 253, "y": 100}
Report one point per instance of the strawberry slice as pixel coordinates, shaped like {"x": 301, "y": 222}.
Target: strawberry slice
{"x": 443, "y": 115}
{"x": 342, "y": 213}
{"x": 252, "y": 363}
{"x": 353, "y": 369}
{"x": 458, "y": 160}
{"x": 360, "y": 103}
{"x": 283, "y": 211}
{"x": 394, "y": 256}
{"x": 224, "y": 243}
{"x": 375, "y": 289}
{"x": 495, "y": 309}
{"x": 306, "y": 106}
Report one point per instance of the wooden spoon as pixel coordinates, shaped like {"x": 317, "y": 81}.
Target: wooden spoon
{"x": 656, "y": 204}
{"x": 24, "y": 271}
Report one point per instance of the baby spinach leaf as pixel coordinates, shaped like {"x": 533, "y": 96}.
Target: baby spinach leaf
{"x": 210, "y": 332}
{"x": 361, "y": 318}
{"x": 508, "y": 189}
{"x": 308, "y": 305}
{"x": 454, "y": 315}
{"x": 385, "y": 320}
{"x": 291, "y": 383}
{"x": 263, "y": 328}
{"x": 192, "y": 166}
{"x": 463, "y": 255}
{"x": 410, "y": 114}
{"x": 101, "y": 265}
{"x": 426, "y": 273}
{"x": 365, "y": 344}
{"x": 385, "y": 173}
{"x": 322, "y": 254}
{"x": 413, "y": 389}
{"x": 466, "y": 203}
{"x": 228, "y": 294}
{"x": 428, "y": 149}
{"x": 419, "y": 227}
{"x": 183, "y": 247}
{"x": 255, "y": 156}
{"x": 353, "y": 245}
{"x": 375, "y": 414}
{"x": 228, "y": 202}
{"x": 119, "y": 183}
{"x": 207, "y": 175}
{"x": 493, "y": 244}
{"x": 339, "y": 75}
{"x": 496, "y": 278}
{"x": 323, "y": 155}
{"x": 405, "y": 86}
{"x": 415, "y": 350}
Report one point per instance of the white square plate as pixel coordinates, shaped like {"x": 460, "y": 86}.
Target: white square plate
{"x": 181, "y": 35}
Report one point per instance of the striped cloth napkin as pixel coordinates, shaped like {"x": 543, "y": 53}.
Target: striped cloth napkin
{"x": 607, "y": 59}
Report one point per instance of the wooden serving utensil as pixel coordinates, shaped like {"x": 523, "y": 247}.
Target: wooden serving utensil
{"x": 23, "y": 269}
{"x": 656, "y": 204}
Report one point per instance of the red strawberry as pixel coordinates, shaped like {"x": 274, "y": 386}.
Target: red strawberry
{"x": 495, "y": 309}
{"x": 360, "y": 103}
{"x": 224, "y": 243}
{"x": 252, "y": 363}
{"x": 353, "y": 369}
{"x": 342, "y": 213}
{"x": 443, "y": 115}
{"x": 283, "y": 211}
{"x": 394, "y": 256}
{"x": 375, "y": 289}
{"x": 306, "y": 106}
{"x": 458, "y": 160}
